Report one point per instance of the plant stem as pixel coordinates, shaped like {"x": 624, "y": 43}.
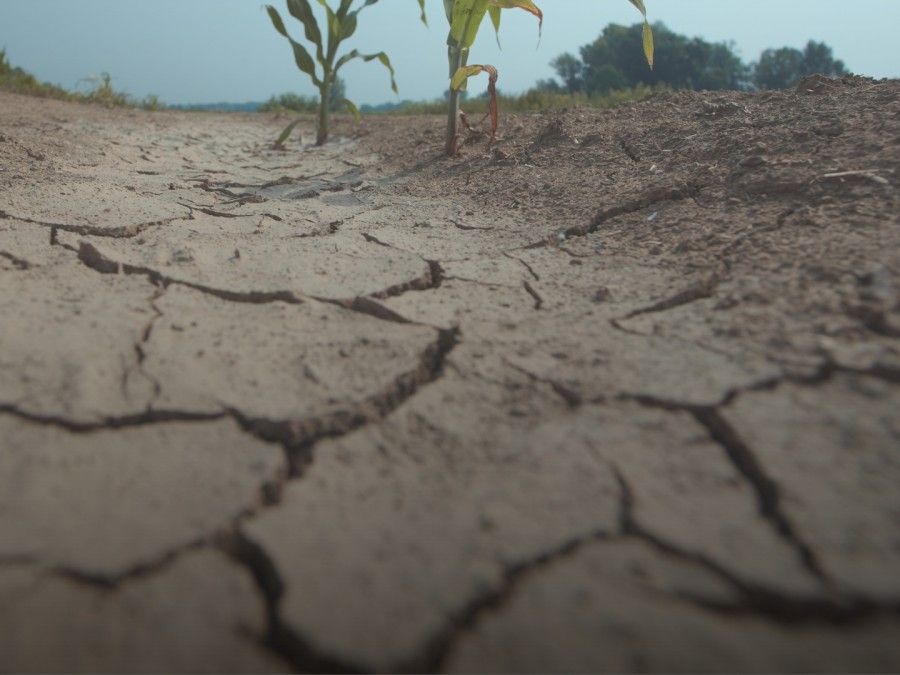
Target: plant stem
{"x": 324, "y": 112}
{"x": 457, "y": 58}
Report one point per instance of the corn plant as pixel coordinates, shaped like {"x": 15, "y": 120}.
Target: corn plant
{"x": 341, "y": 26}
{"x": 465, "y": 18}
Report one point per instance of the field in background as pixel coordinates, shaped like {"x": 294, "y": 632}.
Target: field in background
{"x": 102, "y": 92}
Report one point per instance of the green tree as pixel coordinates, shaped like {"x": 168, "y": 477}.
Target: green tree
{"x": 611, "y": 62}
{"x": 570, "y": 70}
{"x": 784, "y": 68}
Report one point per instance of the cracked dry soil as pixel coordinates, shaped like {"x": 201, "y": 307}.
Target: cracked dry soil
{"x": 621, "y": 397}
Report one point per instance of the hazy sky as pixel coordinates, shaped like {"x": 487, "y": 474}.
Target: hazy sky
{"x": 193, "y": 51}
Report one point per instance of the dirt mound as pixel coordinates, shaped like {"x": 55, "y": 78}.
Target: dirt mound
{"x": 617, "y": 393}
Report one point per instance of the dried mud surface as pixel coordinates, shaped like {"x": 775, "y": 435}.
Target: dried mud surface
{"x": 618, "y": 394}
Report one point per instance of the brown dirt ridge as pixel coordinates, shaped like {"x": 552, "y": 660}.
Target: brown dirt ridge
{"x": 616, "y": 394}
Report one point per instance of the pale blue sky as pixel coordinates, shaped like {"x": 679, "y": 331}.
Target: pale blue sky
{"x": 192, "y": 51}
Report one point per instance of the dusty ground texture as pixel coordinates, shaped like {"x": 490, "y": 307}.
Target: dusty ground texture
{"x": 620, "y": 394}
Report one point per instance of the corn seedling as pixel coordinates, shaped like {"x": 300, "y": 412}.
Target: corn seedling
{"x": 465, "y": 18}
{"x": 341, "y": 26}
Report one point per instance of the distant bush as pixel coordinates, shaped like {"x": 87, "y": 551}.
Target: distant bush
{"x": 19, "y": 81}
{"x": 290, "y": 103}
{"x": 295, "y": 103}
{"x": 533, "y": 100}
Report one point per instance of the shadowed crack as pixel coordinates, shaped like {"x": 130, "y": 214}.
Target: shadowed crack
{"x": 296, "y": 436}
{"x": 279, "y": 638}
{"x": 538, "y": 300}
{"x": 768, "y": 493}
{"x": 468, "y": 228}
{"x": 18, "y": 263}
{"x": 639, "y": 203}
{"x": 120, "y": 232}
{"x": 92, "y": 258}
{"x": 572, "y": 398}
{"x": 432, "y": 279}
{"x": 217, "y": 214}
{"x": 368, "y": 306}
{"x": 529, "y": 268}
{"x": 139, "y": 571}
{"x": 145, "y": 338}
{"x": 753, "y": 599}
{"x": 433, "y": 656}
{"x": 300, "y": 436}
{"x": 121, "y": 422}
{"x": 698, "y": 291}
{"x": 372, "y": 239}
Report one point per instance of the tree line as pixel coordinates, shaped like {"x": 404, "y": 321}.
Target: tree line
{"x": 612, "y": 63}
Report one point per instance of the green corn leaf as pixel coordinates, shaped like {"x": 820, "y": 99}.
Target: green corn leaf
{"x": 304, "y": 61}
{"x": 467, "y": 18}
{"x": 288, "y": 130}
{"x": 351, "y": 106}
{"x": 334, "y": 22}
{"x": 495, "y": 13}
{"x": 301, "y": 56}
{"x": 640, "y": 6}
{"x": 381, "y": 56}
{"x": 348, "y": 26}
{"x": 448, "y": 8}
{"x": 342, "y": 24}
{"x": 302, "y": 11}
{"x": 276, "y": 20}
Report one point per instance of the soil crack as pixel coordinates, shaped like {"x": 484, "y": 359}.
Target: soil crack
{"x": 766, "y": 489}
{"x": 120, "y": 232}
{"x": 768, "y": 493}
{"x": 18, "y": 263}
{"x": 95, "y": 260}
{"x": 753, "y": 599}
{"x": 439, "y": 647}
{"x": 529, "y": 268}
{"x": 698, "y": 291}
{"x": 538, "y": 300}
{"x": 279, "y": 638}
{"x": 639, "y": 203}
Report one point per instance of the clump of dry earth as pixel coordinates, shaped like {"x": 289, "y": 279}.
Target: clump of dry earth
{"x": 619, "y": 394}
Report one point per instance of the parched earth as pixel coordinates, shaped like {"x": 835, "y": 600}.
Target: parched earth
{"x": 619, "y": 394}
